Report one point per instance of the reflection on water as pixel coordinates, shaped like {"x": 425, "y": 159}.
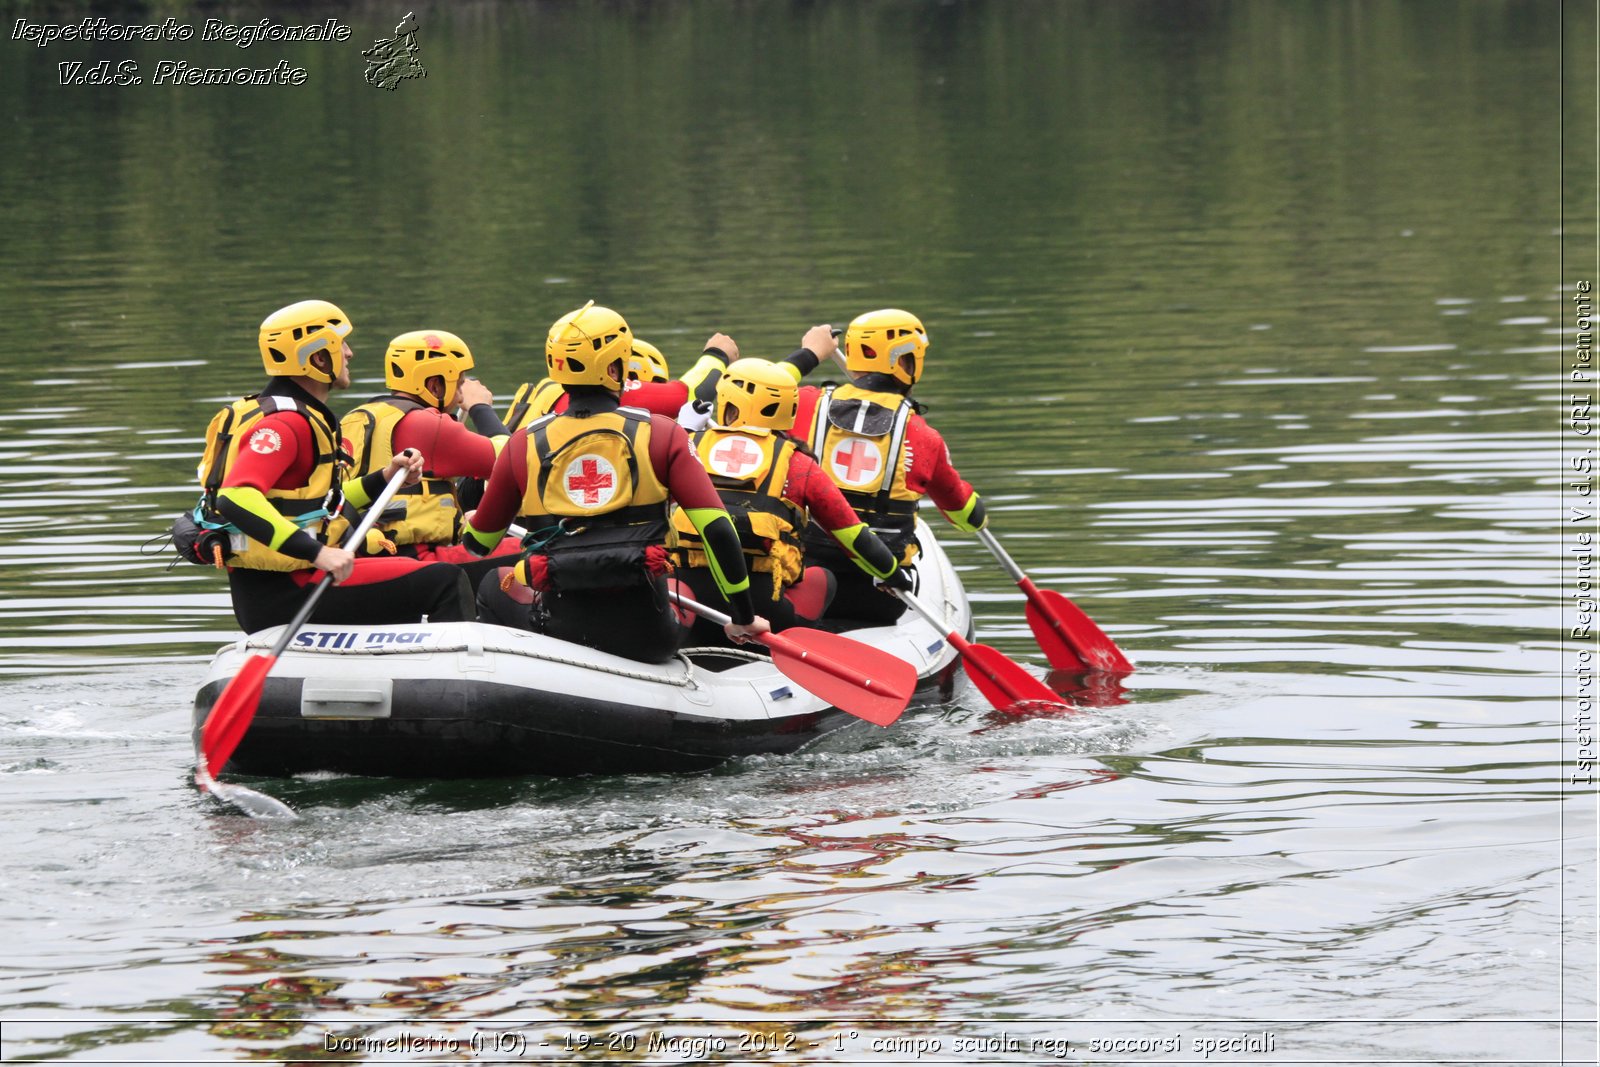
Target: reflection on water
{"x": 1245, "y": 324}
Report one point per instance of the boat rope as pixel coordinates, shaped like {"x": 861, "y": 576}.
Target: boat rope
{"x": 685, "y": 680}
{"x": 722, "y": 650}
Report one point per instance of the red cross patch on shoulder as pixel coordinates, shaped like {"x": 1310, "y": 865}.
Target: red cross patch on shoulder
{"x": 265, "y": 441}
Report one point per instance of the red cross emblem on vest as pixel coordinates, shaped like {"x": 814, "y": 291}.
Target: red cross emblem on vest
{"x": 734, "y": 455}
{"x": 856, "y": 462}
{"x": 591, "y": 481}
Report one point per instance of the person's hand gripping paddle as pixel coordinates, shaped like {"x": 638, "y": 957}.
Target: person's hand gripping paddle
{"x": 235, "y": 709}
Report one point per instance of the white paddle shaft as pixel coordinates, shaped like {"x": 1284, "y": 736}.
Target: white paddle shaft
{"x": 922, "y": 609}
{"x": 700, "y": 609}
{"x": 375, "y": 510}
{"x": 1000, "y": 554}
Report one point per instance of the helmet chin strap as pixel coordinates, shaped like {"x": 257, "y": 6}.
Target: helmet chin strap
{"x": 320, "y": 389}
{"x": 438, "y": 397}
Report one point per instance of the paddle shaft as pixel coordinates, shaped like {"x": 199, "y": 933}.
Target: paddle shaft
{"x": 838, "y": 355}
{"x": 1005, "y": 559}
{"x": 368, "y": 521}
{"x": 1077, "y": 641}
{"x": 1005, "y": 683}
{"x": 1030, "y": 590}
{"x": 961, "y": 644}
{"x": 839, "y": 670}
{"x": 235, "y": 708}
{"x": 1010, "y": 565}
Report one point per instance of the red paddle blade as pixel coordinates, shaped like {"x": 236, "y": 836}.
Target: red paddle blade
{"x": 232, "y": 714}
{"x": 1052, "y": 640}
{"x": 866, "y": 682}
{"x": 1002, "y": 681}
{"x": 1070, "y": 639}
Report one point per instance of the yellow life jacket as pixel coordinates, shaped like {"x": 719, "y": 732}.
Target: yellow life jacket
{"x": 750, "y": 472}
{"x": 860, "y": 439}
{"x": 307, "y": 506}
{"x": 427, "y": 513}
{"x": 591, "y": 476}
{"x": 532, "y": 401}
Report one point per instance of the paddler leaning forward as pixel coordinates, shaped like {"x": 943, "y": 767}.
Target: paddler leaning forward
{"x": 272, "y": 464}
{"x": 592, "y": 485}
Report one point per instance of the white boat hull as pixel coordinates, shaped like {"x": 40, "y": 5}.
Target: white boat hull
{"x": 469, "y": 699}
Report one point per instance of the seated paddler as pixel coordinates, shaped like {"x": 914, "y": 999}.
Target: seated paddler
{"x": 872, "y": 440}
{"x": 273, "y": 473}
{"x": 773, "y": 488}
{"x": 426, "y": 373}
{"x": 591, "y": 484}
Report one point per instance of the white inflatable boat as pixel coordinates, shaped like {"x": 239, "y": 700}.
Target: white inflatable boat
{"x": 468, "y": 699}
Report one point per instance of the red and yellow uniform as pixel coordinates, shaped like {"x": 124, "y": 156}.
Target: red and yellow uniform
{"x": 426, "y": 513}
{"x": 872, "y": 442}
{"x": 774, "y": 490}
{"x": 292, "y": 505}
{"x": 277, "y": 465}
{"x": 273, "y": 473}
{"x": 423, "y": 370}
{"x": 884, "y": 457}
{"x": 427, "y": 517}
{"x": 751, "y": 474}
{"x": 591, "y": 485}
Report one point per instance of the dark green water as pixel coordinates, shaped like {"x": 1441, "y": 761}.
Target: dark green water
{"x": 1249, "y": 319}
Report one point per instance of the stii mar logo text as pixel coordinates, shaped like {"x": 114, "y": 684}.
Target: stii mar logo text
{"x": 351, "y": 639}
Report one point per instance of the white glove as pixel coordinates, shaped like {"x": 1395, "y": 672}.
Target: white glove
{"x": 695, "y": 415}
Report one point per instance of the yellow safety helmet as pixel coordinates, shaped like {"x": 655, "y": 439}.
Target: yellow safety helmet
{"x": 415, "y": 357}
{"x": 875, "y": 342}
{"x": 758, "y": 395}
{"x": 582, "y": 345}
{"x": 291, "y": 335}
{"x": 647, "y": 364}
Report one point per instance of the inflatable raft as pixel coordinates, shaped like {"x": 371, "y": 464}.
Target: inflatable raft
{"x": 469, "y": 699}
